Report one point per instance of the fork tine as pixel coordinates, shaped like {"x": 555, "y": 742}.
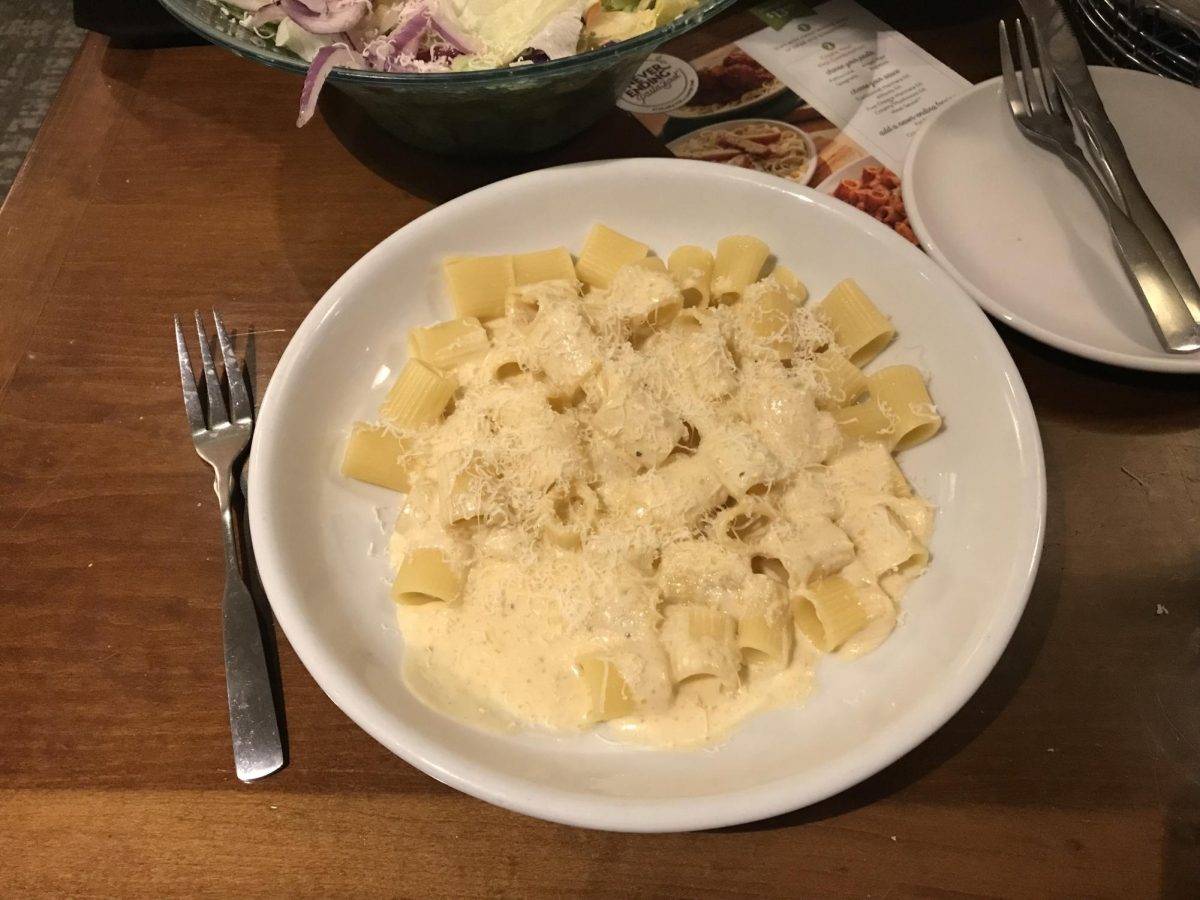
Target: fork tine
{"x": 1013, "y": 88}
{"x": 217, "y": 414}
{"x": 1049, "y": 82}
{"x": 1033, "y": 81}
{"x": 239, "y": 398}
{"x": 191, "y": 396}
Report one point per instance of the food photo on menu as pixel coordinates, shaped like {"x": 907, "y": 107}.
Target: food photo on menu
{"x": 743, "y": 115}
{"x": 600, "y": 448}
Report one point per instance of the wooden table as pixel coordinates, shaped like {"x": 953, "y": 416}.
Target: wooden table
{"x": 170, "y": 180}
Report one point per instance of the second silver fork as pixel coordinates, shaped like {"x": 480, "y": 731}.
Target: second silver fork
{"x": 220, "y": 440}
{"x": 1038, "y": 111}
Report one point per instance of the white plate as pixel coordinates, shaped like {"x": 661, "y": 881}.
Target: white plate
{"x": 810, "y": 148}
{"x": 313, "y": 530}
{"x": 1015, "y": 228}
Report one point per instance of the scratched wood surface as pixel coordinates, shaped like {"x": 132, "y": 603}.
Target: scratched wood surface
{"x": 170, "y": 180}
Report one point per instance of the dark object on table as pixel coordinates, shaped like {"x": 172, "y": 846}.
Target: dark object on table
{"x": 1138, "y": 34}
{"x": 133, "y": 23}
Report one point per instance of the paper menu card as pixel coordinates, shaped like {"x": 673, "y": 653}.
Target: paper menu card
{"x": 828, "y": 98}
{"x": 870, "y": 81}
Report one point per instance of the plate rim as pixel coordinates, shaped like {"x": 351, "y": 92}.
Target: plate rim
{"x": 1179, "y": 365}
{"x": 681, "y": 814}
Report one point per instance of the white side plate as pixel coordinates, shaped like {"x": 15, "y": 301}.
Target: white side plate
{"x": 1022, "y": 234}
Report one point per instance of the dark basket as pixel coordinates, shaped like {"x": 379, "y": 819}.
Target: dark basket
{"x": 1141, "y": 35}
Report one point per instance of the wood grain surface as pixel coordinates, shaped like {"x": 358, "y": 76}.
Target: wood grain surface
{"x": 170, "y": 180}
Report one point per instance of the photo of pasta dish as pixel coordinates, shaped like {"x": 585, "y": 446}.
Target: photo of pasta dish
{"x": 877, "y": 192}
{"x": 761, "y": 144}
{"x": 644, "y": 491}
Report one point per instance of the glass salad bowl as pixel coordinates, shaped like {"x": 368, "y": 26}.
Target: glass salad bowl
{"x": 474, "y": 113}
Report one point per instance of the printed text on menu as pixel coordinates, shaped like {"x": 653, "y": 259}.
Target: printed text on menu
{"x": 855, "y": 70}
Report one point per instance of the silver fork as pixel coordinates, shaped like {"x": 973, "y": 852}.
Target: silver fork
{"x": 1039, "y": 113}
{"x": 257, "y": 749}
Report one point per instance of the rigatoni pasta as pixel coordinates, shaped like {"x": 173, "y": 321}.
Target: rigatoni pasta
{"x": 418, "y": 397}
{"x": 448, "y": 345}
{"x": 425, "y": 575}
{"x": 692, "y": 269}
{"x": 844, "y": 381}
{"x": 543, "y": 265}
{"x": 829, "y": 612}
{"x": 608, "y": 693}
{"x": 644, "y": 490}
{"x": 605, "y": 252}
{"x": 701, "y": 642}
{"x": 376, "y": 454}
{"x": 479, "y": 284}
{"x": 901, "y": 392}
{"x": 860, "y": 329}
{"x": 738, "y": 263}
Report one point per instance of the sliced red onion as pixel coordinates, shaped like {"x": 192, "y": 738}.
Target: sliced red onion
{"x": 322, "y": 64}
{"x": 385, "y": 52}
{"x": 407, "y": 34}
{"x": 267, "y": 16}
{"x": 450, "y": 34}
{"x": 249, "y": 5}
{"x": 337, "y": 16}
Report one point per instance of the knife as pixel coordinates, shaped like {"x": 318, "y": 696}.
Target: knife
{"x": 1060, "y": 50}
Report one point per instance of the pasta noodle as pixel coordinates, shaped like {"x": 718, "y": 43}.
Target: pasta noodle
{"x": 604, "y": 252}
{"x": 877, "y": 192}
{"x": 829, "y": 613}
{"x": 700, "y": 642}
{"x": 768, "y": 315}
{"x": 478, "y": 284}
{"x": 865, "y": 421}
{"x": 652, "y": 264}
{"x": 738, "y": 262}
{"x": 845, "y": 381}
{"x": 425, "y": 575}
{"x": 787, "y": 279}
{"x": 692, "y": 269}
{"x": 569, "y": 517}
{"x": 884, "y": 545}
{"x": 609, "y": 693}
{"x": 418, "y": 397}
{"x": 629, "y": 504}
{"x": 543, "y": 265}
{"x": 447, "y": 345}
{"x": 771, "y": 640}
{"x": 901, "y": 390}
{"x": 860, "y": 329}
{"x": 375, "y": 454}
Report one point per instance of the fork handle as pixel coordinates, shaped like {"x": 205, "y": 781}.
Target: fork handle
{"x": 1169, "y": 313}
{"x": 1109, "y": 153}
{"x": 257, "y": 748}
